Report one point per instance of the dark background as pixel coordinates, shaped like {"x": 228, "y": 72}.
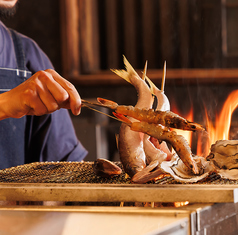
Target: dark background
{"x": 40, "y": 20}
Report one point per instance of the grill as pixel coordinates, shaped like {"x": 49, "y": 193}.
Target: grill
{"x": 57, "y": 172}
{"x": 76, "y": 181}
{"x": 76, "y": 184}
{"x": 82, "y": 172}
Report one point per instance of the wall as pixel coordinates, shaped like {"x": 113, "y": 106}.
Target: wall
{"x": 40, "y": 20}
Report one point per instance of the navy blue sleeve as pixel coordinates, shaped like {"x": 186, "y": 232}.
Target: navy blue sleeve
{"x": 36, "y": 59}
{"x": 61, "y": 143}
{"x": 49, "y": 137}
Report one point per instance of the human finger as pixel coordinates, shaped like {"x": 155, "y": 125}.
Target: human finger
{"x": 51, "y": 93}
{"x": 74, "y": 97}
{"x": 35, "y": 104}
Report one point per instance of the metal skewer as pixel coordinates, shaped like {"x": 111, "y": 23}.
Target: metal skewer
{"x": 85, "y": 102}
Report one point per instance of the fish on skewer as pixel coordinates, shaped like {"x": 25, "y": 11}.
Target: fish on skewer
{"x": 162, "y": 100}
{"x": 178, "y": 142}
{"x": 142, "y": 157}
{"x": 136, "y": 149}
{"x": 160, "y": 132}
{"x": 130, "y": 143}
{"x": 155, "y": 152}
{"x": 143, "y": 110}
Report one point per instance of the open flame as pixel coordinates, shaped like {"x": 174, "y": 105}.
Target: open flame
{"x": 186, "y": 134}
{"x": 216, "y": 130}
{"x": 221, "y": 129}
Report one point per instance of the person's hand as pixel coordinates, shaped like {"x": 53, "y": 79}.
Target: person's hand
{"x": 43, "y": 93}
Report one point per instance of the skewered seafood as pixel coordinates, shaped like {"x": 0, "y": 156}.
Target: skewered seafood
{"x": 178, "y": 142}
{"x": 140, "y": 143}
{"x": 153, "y": 153}
{"x": 223, "y": 157}
{"x": 165, "y": 118}
{"x": 147, "y": 125}
{"x": 135, "y": 148}
{"x": 162, "y": 100}
{"x": 153, "y": 156}
{"x": 130, "y": 143}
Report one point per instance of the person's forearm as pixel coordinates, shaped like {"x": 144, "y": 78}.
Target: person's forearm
{"x": 3, "y": 104}
{"x": 44, "y": 92}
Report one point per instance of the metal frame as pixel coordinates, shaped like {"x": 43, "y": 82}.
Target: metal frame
{"x": 118, "y": 193}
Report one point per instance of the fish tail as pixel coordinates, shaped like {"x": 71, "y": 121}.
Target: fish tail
{"x": 126, "y": 74}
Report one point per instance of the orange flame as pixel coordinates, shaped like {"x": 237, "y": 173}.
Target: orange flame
{"x": 218, "y": 131}
{"x": 221, "y": 129}
{"x": 186, "y": 134}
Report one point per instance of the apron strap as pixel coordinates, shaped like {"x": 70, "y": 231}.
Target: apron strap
{"x": 20, "y": 56}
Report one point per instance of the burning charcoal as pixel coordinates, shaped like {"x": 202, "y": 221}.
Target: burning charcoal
{"x": 106, "y": 168}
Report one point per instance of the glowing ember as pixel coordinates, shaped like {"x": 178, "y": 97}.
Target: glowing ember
{"x": 179, "y": 204}
{"x": 162, "y": 204}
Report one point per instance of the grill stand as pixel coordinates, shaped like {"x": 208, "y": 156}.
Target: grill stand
{"x": 196, "y": 219}
{"x": 214, "y": 209}
{"x": 73, "y": 188}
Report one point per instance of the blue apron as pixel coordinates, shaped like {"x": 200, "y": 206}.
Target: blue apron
{"x": 12, "y": 130}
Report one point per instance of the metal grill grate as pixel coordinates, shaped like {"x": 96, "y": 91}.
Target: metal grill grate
{"x": 79, "y": 172}
{"x": 56, "y": 172}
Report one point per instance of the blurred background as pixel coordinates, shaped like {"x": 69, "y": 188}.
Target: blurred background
{"x": 86, "y": 38}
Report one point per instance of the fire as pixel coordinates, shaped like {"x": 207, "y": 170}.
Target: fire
{"x": 221, "y": 129}
{"x": 217, "y": 130}
{"x": 179, "y": 204}
{"x": 186, "y": 134}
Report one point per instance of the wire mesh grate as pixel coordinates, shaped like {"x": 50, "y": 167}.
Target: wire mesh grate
{"x": 81, "y": 172}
